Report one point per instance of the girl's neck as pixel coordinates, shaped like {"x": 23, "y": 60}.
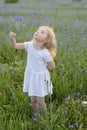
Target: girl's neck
{"x": 38, "y": 45}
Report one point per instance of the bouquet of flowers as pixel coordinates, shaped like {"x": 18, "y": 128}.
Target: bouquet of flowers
{"x": 16, "y": 23}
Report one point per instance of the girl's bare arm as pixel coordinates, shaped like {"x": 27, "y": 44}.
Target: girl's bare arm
{"x": 51, "y": 65}
{"x": 15, "y": 45}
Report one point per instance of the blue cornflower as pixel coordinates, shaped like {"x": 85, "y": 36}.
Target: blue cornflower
{"x": 67, "y": 98}
{"x": 84, "y": 96}
{"x": 19, "y": 18}
{"x": 71, "y": 126}
{"x": 1, "y": 67}
{"x": 78, "y": 94}
{"x": 78, "y": 101}
{"x": 80, "y": 86}
{"x": 76, "y": 124}
{"x": 65, "y": 112}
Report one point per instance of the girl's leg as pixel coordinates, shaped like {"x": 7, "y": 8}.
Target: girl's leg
{"x": 34, "y": 107}
{"x": 42, "y": 105}
{"x": 33, "y": 103}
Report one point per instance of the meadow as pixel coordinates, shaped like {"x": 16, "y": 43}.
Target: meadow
{"x": 65, "y": 110}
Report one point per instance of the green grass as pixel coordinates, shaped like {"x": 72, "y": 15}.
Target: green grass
{"x": 64, "y": 108}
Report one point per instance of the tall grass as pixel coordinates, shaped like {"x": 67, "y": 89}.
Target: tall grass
{"x": 65, "y": 110}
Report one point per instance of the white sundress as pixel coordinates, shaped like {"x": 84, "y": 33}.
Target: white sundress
{"x": 36, "y": 77}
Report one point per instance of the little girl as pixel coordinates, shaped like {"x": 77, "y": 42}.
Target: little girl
{"x": 40, "y": 53}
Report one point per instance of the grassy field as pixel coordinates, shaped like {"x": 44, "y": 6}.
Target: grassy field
{"x": 65, "y": 108}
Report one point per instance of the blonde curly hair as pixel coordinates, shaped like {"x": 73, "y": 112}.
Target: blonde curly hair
{"x": 50, "y": 43}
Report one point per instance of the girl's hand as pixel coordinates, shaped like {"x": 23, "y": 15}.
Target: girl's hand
{"x": 12, "y": 35}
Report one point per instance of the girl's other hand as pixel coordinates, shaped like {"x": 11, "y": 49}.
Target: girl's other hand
{"x": 12, "y": 35}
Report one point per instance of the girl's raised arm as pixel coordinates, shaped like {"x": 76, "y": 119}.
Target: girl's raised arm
{"x": 15, "y": 45}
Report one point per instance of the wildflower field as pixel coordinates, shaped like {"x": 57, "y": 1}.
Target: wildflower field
{"x": 65, "y": 110}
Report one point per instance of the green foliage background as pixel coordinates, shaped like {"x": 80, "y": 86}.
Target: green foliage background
{"x": 11, "y": 1}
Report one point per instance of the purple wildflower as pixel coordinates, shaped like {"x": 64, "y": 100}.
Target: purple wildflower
{"x": 65, "y": 112}
{"x": 78, "y": 93}
{"x": 84, "y": 96}
{"x": 19, "y": 18}
{"x": 80, "y": 86}
{"x": 78, "y": 101}
{"x": 76, "y": 124}
{"x": 71, "y": 126}
{"x": 1, "y": 67}
{"x": 67, "y": 98}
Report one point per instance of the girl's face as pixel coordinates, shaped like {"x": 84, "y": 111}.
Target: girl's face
{"x": 41, "y": 34}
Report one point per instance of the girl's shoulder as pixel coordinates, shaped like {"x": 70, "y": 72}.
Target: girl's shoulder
{"x": 27, "y": 44}
{"x": 46, "y": 51}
